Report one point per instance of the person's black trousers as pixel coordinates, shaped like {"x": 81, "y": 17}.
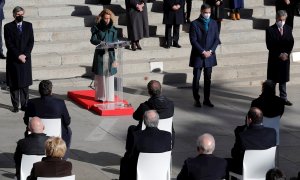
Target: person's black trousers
{"x": 175, "y": 34}
{"x": 207, "y": 82}
{"x": 188, "y": 9}
{"x": 19, "y": 95}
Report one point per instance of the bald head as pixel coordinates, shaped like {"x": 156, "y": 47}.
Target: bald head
{"x": 206, "y": 144}
{"x": 36, "y": 125}
{"x": 154, "y": 88}
{"x": 254, "y": 116}
{"x": 151, "y": 118}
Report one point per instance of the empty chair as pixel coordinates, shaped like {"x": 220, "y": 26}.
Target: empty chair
{"x": 256, "y": 163}
{"x": 52, "y": 127}
{"x": 273, "y": 123}
{"x": 163, "y": 124}
{"x": 72, "y": 177}
{"x": 152, "y": 166}
{"x": 27, "y": 163}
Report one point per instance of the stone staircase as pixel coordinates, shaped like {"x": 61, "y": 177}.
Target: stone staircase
{"x": 62, "y": 48}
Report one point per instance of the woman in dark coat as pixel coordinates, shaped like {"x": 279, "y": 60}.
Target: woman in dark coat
{"x": 104, "y": 71}
{"x": 217, "y": 11}
{"x": 52, "y": 165}
{"x": 137, "y": 22}
{"x": 235, "y": 6}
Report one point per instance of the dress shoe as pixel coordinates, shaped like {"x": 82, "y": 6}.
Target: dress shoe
{"x": 2, "y": 56}
{"x": 288, "y": 103}
{"x": 237, "y": 16}
{"x": 176, "y": 45}
{"x": 197, "y": 104}
{"x": 133, "y": 46}
{"x": 15, "y": 110}
{"x": 208, "y": 103}
{"x": 138, "y": 46}
{"x": 167, "y": 46}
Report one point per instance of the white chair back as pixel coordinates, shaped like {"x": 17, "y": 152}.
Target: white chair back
{"x": 273, "y": 123}
{"x": 256, "y": 163}
{"x": 52, "y": 127}
{"x": 72, "y": 177}
{"x": 154, "y": 166}
{"x": 163, "y": 124}
{"x": 27, "y": 163}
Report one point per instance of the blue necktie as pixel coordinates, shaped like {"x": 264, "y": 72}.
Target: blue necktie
{"x": 20, "y": 28}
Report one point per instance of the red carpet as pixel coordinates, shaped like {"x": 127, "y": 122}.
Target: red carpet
{"x": 86, "y": 99}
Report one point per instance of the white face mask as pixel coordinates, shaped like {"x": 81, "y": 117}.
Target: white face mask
{"x": 206, "y": 15}
{"x": 280, "y": 24}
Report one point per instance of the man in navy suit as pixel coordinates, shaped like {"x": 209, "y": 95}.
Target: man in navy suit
{"x": 204, "y": 38}
{"x": 150, "y": 140}
{"x": 2, "y": 2}
{"x": 49, "y": 107}
{"x": 19, "y": 41}
{"x": 205, "y": 166}
{"x": 251, "y": 136}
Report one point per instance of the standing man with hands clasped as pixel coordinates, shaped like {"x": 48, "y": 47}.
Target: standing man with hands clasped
{"x": 204, "y": 38}
{"x": 19, "y": 41}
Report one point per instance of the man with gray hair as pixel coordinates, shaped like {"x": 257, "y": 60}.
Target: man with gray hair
{"x": 33, "y": 144}
{"x": 19, "y": 41}
{"x": 205, "y": 165}
{"x": 150, "y": 140}
{"x": 280, "y": 43}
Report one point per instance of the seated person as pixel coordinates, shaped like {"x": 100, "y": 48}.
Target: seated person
{"x": 252, "y": 136}
{"x": 205, "y": 165}
{"x": 270, "y": 104}
{"x": 275, "y": 174}
{"x": 52, "y": 165}
{"x": 49, "y": 107}
{"x": 33, "y": 144}
{"x": 150, "y": 140}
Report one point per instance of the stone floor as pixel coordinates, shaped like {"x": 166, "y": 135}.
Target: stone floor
{"x": 98, "y": 142}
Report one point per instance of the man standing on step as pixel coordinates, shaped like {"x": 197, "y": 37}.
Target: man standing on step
{"x": 173, "y": 17}
{"x": 204, "y": 38}
{"x": 19, "y": 41}
{"x": 280, "y": 43}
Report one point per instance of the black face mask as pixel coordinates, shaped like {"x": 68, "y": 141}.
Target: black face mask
{"x": 19, "y": 18}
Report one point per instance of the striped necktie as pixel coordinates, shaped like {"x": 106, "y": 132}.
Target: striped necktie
{"x": 20, "y": 28}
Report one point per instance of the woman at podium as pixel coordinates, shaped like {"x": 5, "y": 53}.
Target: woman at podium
{"x": 104, "y": 64}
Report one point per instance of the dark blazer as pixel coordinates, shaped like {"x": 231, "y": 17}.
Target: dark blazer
{"x": 172, "y": 17}
{"x": 254, "y": 137}
{"x": 150, "y": 140}
{"x": 50, "y": 107}
{"x": 50, "y": 167}
{"x": 278, "y": 70}
{"x": 203, "y": 167}
{"x": 203, "y": 41}
{"x": 270, "y": 105}
{"x": 33, "y": 144}
{"x": 18, "y": 74}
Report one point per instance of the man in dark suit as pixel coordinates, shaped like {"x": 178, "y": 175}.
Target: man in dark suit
{"x": 173, "y": 17}
{"x": 252, "y": 136}
{"x": 33, "y": 144}
{"x": 19, "y": 42}
{"x": 270, "y": 104}
{"x": 150, "y": 140}
{"x": 280, "y": 43}
{"x": 2, "y": 2}
{"x": 205, "y": 166}
{"x": 49, "y": 107}
{"x": 289, "y": 7}
{"x": 204, "y": 38}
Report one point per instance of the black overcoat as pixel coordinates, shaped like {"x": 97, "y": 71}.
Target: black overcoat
{"x": 137, "y": 21}
{"x": 172, "y": 17}
{"x": 18, "y": 74}
{"x": 278, "y": 70}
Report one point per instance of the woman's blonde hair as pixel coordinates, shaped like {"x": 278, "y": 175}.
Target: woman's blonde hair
{"x": 55, "y": 147}
{"x": 103, "y": 13}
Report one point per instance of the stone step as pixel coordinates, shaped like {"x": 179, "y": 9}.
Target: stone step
{"x": 13, "y": 3}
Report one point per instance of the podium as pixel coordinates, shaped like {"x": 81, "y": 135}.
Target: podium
{"x": 107, "y": 99}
